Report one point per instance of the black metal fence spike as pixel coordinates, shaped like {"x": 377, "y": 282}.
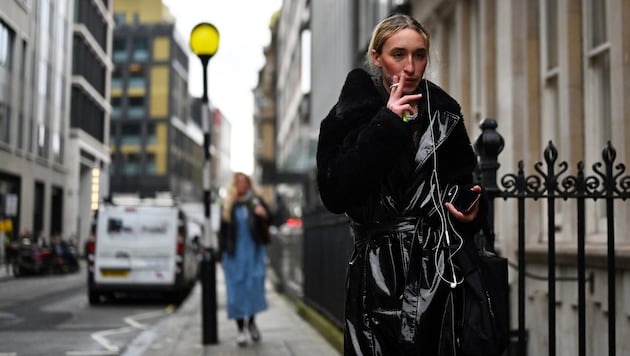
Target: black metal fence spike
{"x": 551, "y": 153}
{"x": 609, "y": 154}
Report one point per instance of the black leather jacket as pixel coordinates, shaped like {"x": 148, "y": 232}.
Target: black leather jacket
{"x": 381, "y": 172}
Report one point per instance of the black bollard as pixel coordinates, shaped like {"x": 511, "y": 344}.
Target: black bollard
{"x": 209, "y": 298}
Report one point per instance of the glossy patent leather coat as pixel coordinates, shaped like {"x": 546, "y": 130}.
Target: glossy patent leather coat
{"x": 378, "y": 170}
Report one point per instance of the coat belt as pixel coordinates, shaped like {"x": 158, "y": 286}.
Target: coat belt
{"x": 409, "y": 312}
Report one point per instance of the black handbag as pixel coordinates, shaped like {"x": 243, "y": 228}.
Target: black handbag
{"x": 261, "y": 224}
{"x": 484, "y": 326}
{"x": 262, "y": 229}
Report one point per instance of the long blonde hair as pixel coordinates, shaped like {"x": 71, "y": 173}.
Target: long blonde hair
{"x": 232, "y": 195}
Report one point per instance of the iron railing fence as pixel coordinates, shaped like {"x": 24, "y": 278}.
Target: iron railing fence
{"x": 552, "y": 183}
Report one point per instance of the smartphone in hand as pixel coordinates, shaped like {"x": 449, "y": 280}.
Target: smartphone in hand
{"x": 463, "y": 199}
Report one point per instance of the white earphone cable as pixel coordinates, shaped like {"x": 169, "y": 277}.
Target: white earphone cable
{"x": 445, "y": 220}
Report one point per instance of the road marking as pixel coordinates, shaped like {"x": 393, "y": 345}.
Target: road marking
{"x": 134, "y": 320}
{"x": 135, "y": 324}
{"x": 101, "y": 337}
{"x": 91, "y": 353}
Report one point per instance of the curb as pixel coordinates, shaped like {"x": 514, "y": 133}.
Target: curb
{"x": 324, "y": 327}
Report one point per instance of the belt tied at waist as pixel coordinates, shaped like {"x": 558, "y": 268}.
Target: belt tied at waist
{"x": 410, "y": 310}
{"x": 403, "y": 224}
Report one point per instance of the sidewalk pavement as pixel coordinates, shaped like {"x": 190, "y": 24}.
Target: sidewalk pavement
{"x": 283, "y": 331}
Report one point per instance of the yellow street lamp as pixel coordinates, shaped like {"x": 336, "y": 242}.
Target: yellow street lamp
{"x": 204, "y": 42}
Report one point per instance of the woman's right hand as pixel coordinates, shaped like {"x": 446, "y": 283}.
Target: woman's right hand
{"x": 398, "y": 102}
{"x": 260, "y": 211}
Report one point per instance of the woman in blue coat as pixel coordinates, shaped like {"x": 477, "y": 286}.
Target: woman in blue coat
{"x": 241, "y": 242}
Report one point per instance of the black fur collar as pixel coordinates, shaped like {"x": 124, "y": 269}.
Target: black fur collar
{"x": 360, "y": 95}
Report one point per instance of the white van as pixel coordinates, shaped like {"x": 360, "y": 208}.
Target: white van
{"x": 142, "y": 245}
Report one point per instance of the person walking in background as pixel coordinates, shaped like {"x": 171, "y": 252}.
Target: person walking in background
{"x": 242, "y": 253}
{"x": 390, "y": 152}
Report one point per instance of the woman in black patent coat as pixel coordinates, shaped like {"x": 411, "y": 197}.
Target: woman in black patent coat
{"x": 390, "y": 151}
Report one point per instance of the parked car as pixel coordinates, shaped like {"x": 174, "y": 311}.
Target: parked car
{"x": 29, "y": 258}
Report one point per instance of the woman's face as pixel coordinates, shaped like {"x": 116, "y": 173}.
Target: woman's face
{"x": 404, "y": 55}
{"x": 242, "y": 185}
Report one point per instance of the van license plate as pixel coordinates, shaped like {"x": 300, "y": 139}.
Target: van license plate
{"x": 114, "y": 273}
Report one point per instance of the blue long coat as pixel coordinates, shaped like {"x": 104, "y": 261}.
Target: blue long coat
{"x": 244, "y": 267}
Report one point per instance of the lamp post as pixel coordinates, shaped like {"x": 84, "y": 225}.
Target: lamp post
{"x": 204, "y": 42}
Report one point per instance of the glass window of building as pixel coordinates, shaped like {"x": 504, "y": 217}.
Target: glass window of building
{"x": 120, "y": 50}
{"x": 551, "y": 97}
{"x": 140, "y": 49}
{"x": 112, "y": 165}
{"x": 4, "y": 123}
{"x": 135, "y": 109}
{"x": 130, "y": 134}
{"x": 136, "y": 77}
{"x": 150, "y": 139}
{"x": 150, "y": 164}
{"x": 116, "y": 107}
{"x": 130, "y": 164}
{"x": 42, "y": 140}
{"x": 598, "y": 107}
{"x": 119, "y": 18}
{"x": 6, "y": 46}
{"x": 598, "y": 64}
{"x": 117, "y": 80}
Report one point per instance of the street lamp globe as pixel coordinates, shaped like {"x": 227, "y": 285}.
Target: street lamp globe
{"x": 204, "y": 40}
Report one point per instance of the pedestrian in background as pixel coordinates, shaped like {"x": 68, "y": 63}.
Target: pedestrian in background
{"x": 390, "y": 150}
{"x": 242, "y": 253}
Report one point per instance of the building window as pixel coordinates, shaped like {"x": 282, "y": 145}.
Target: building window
{"x": 475, "y": 65}
{"x": 42, "y": 141}
{"x": 598, "y": 107}
{"x": 140, "y": 49}
{"x": 136, "y": 77}
{"x": 130, "y": 134}
{"x": 6, "y": 46}
{"x": 151, "y": 140}
{"x": 598, "y": 70}
{"x": 130, "y": 164}
{"x": 135, "y": 110}
{"x": 150, "y": 164}
{"x": 549, "y": 33}
{"x": 550, "y": 123}
{"x": 5, "y": 126}
{"x": 452, "y": 53}
{"x": 119, "y": 18}
{"x": 117, "y": 79}
{"x": 120, "y": 50}
{"x": 116, "y": 108}
{"x": 57, "y": 147}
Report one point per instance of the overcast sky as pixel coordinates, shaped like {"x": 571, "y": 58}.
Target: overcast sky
{"x": 233, "y": 71}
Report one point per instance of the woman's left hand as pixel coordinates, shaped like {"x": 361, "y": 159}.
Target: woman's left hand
{"x": 468, "y": 216}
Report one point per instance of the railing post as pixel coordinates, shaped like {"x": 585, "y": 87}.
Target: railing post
{"x": 488, "y": 146}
